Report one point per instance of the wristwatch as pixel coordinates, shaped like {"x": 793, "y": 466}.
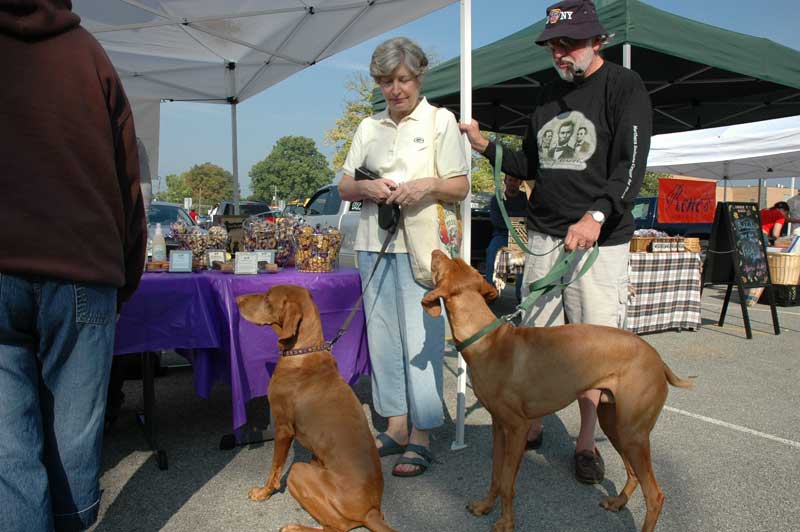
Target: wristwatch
{"x": 598, "y": 216}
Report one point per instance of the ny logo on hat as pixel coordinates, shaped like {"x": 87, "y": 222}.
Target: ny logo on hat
{"x": 556, "y": 15}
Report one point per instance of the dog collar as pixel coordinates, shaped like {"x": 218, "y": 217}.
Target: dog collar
{"x": 305, "y": 350}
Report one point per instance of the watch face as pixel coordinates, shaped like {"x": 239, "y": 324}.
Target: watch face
{"x": 598, "y": 216}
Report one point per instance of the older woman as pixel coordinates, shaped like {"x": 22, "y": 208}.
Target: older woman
{"x": 406, "y": 345}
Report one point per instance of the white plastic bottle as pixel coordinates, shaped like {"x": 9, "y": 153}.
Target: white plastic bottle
{"x": 159, "y": 245}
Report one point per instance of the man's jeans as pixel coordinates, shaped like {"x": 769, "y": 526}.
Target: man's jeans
{"x": 56, "y": 341}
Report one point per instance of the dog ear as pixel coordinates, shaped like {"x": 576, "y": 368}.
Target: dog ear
{"x": 252, "y": 307}
{"x": 292, "y": 316}
{"x": 488, "y": 291}
{"x": 431, "y": 302}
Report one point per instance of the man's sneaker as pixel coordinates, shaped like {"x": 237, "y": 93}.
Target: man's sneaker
{"x": 589, "y": 467}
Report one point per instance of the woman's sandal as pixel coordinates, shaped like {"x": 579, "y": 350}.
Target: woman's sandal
{"x": 422, "y": 464}
{"x": 388, "y": 445}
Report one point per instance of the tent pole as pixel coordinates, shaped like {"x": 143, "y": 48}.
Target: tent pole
{"x": 793, "y": 192}
{"x": 761, "y": 199}
{"x": 235, "y": 151}
{"x": 725, "y": 169}
{"x": 626, "y": 55}
{"x": 466, "y": 212}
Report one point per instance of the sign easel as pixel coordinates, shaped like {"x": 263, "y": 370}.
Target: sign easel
{"x": 737, "y": 255}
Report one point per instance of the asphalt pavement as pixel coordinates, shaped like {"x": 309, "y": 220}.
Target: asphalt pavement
{"x": 726, "y": 453}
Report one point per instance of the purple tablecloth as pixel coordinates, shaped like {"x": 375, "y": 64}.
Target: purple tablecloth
{"x": 197, "y": 314}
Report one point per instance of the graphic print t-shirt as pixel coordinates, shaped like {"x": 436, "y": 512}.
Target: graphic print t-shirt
{"x": 586, "y": 148}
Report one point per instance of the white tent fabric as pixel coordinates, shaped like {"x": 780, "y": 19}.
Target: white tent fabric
{"x": 226, "y": 52}
{"x": 758, "y": 150}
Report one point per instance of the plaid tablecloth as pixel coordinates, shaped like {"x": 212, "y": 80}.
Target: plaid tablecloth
{"x": 665, "y": 289}
{"x": 507, "y": 263}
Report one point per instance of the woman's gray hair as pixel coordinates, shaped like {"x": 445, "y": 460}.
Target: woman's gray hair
{"x": 395, "y": 52}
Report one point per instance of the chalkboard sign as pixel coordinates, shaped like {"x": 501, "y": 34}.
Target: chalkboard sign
{"x": 737, "y": 253}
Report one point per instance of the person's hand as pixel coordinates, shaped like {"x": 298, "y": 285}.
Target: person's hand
{"x": 473, "y": 132}
{"x": 379, "y": 190}
{"x": 583, "y": 234}
{"x": 411, "y": 192}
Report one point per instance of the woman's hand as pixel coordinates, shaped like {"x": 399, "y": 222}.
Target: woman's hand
{"x": 411, "y": 192}
{"x": 378, "y": 190}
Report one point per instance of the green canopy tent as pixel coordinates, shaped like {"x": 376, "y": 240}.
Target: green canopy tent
{"x": 698, "y": 75}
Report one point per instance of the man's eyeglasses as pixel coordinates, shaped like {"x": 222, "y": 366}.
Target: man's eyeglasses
{"x": 565, "y": 43}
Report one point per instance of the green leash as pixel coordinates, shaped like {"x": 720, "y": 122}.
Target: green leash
{"x": 539, "y": 287}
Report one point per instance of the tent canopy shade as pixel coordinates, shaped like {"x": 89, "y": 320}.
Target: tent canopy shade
{"x": 758, "y": 150}
{"x": 698, "y": 75}
{"x": 226, "y": 52}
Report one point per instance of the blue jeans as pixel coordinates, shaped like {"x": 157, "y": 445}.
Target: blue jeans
{"x": 56, "y": 342}
{"x": 497, "y": 242}
{"x": 406, "y": 345}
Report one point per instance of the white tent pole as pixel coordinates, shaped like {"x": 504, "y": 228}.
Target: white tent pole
{"x": 790, "y": 229}
{"x": 233, "y": 101}
{"x": 466, "y": 212}
{"x": 235, "y": 151}
{"x": 626, "y": 55}
{"x": 760, "y": 198}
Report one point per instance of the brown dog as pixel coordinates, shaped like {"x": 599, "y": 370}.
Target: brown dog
{"x": 343, "y": 485}
{"x": 527, "y": 372}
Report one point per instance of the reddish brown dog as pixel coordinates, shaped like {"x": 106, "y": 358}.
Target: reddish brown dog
{"x": 521, "y": 373}
{"x": 343, "y": 485}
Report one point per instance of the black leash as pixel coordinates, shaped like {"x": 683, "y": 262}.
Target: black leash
{"x": 389, "y": 234}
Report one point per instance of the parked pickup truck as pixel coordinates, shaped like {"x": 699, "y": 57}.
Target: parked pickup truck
{"x": 326, "y": 207}
{"x": 645, "y": 216}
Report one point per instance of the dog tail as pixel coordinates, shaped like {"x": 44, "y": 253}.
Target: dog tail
{"x": 677, "y": 381}
{"x": 374, "y": 521}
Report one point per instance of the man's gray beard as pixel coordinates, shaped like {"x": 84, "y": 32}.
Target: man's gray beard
{"x": 569, "y": 73}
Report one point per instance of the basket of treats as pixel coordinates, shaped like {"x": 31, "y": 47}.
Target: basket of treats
{"x": 316, "y": 248}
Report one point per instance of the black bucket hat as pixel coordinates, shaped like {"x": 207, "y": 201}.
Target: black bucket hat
{"x": 573, "y": 19}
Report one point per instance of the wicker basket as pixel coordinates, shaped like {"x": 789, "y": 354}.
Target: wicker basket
{"x": 519, "y": 224}
{"x": 691, "y": 244}
{"x": 784, "y": 268}
{"x": 641, "y": 244}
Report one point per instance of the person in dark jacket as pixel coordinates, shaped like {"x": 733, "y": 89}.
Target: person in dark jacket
{"x": 66, "y": 140}
{"x": 516, "y": 204}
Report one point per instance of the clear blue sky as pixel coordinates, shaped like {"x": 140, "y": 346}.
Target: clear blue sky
{"x": 310, "y": 102}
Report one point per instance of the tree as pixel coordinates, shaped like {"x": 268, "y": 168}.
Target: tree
{"x": 293, "y": 169}
{"x": 176, "y": 189}
{"x": 482, "y": 171}
{"x": 205, "y": 183}
{"x": 356, "y": 109}
{"x": 650, "y": 184}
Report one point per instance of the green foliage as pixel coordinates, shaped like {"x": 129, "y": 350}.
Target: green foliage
{"x": 205, "y": 183}
{"x": 482, "y": 172}
{"x": 176, "y": 189}
{"x": 293, "y": 170}
{"x": 356, "y": 109}
{"x": 650, "y": 184}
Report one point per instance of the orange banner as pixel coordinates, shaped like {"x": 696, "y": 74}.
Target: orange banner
{"x": 683, "y": 201}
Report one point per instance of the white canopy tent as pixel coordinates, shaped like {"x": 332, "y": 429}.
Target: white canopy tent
{"x": 758, "y": 150}
{"x": 225, "y": 52}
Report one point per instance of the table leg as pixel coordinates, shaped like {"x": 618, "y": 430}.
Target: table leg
{"x": 240, "y": 438}
{"x": 147, "y": 418}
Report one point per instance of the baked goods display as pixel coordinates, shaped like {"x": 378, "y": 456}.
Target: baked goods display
{"x": 317, "y": 249}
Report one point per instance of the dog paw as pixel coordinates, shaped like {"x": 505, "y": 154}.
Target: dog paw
{"x": 480, "y": 507}
{"x": 614, "y": 504}
{"x": 258, "y": 494}
{"x": 503, "y": 525}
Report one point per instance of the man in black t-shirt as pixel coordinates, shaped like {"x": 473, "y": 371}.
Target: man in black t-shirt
{"x": 585, "y": 186}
